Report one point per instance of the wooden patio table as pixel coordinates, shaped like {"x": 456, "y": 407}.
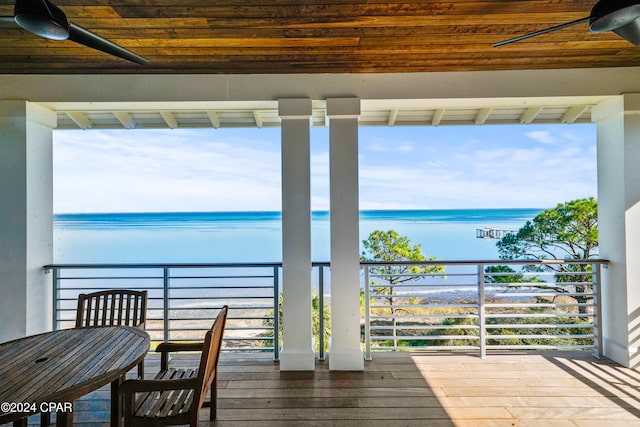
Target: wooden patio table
{"x": 46, "y": 372}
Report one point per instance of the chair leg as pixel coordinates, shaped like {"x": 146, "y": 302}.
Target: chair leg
{"x": 213, "y": 397}
{"x": 129, "y": 402}
{"x": 141, "y": 370}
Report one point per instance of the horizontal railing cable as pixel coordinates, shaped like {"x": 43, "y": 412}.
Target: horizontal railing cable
{"x": 462, "y": 305}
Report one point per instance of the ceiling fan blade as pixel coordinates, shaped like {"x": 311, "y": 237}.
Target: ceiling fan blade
{"x": 85, "y": 37}
{"x": 545, "y": 31}
{"x": 630, "y": 32}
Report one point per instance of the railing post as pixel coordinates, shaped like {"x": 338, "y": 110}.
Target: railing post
{"x": 55, "y": 324}
{"x": 165, "y": 303}
{"x": 597, "y": 293}
{"x": 321, "y": 355}
{"x": 276, "y": 314}
{"x": 481, "y": 313}
{"x": 367, "y": 316}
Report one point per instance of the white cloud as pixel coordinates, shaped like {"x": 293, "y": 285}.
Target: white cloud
{"x": 399, "y": 148}
{"x": 489, "y": 174}
{"x": 542, "y": 136}
{"x": 99, "y": 171}
{"x": 572, "y": 136}
{"x": 435, "y": 164}
{"x": 107, "y": 172}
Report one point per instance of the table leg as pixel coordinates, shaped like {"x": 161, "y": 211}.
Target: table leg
{"x": 116, "y": 403}
{"x": 64, "y": 419}
{"x": 22, "y": 422}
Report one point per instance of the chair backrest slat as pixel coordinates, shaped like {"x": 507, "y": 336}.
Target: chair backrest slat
{"x": 127, "y": 312}
{"x": 117, "y": 320}
{"x": 112, "y": 307}
{"x": 109, "y": 311}
{"x": 94, "y": 306}
{"x": 104, "y": 311}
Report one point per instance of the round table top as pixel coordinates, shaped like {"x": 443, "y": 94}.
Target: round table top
{"x": 60, "y": 366}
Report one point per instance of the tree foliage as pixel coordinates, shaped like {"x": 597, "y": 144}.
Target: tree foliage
{"x": 315, "y": 322}
{"x": 502, "y": 274}
{"x": 389, "y": 246}
{"x": 567, "y": 232}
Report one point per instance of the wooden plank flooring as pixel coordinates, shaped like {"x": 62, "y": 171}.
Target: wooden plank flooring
{"x": 511, "y": 389}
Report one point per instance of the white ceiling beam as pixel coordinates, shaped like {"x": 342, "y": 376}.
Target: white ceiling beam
{"x": 482, "y": 116}
{"x": 393, "y": 115}
{"x": 573, "y": 113}
{"x": 201, "y": 88}
{"x": 169, "y": 119}
{"x": 258, "y": 118}
{"x": 80, "y": 119}
{"x": 437, "y": 116}
{"x": 214, "y": 118}
{"x": 125, "y": 119}
{"x": 319, "y": 116}
{"x": 530, "y": 115}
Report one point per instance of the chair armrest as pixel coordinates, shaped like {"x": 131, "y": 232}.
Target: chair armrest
{"x": 134, "y": 386}
{"x": 170, "y": 347}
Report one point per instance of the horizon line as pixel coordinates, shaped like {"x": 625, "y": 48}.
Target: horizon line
{"x": 280, "y": 212}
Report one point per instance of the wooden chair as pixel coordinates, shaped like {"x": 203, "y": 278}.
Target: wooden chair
{"x": 175, "y": 396}
{"x": 114, "y": 307}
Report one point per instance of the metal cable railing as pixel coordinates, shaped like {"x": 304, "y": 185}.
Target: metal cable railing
{"x": 184, "y": 298}
{"x": 481, "y": 305}
{"x": 431, "y": 305}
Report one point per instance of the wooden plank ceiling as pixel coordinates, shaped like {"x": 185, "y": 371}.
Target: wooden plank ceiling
{"x": 317, "y": 36}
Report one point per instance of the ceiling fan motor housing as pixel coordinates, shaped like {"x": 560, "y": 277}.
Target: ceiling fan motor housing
{"x": 609, "y": 15}
{"x": 42, "y": 18}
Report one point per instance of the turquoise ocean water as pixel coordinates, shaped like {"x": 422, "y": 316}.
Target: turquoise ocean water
{"x": 210, "y": 237}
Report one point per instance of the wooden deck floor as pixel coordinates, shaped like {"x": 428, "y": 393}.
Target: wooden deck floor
{"x": 514, "y": 389}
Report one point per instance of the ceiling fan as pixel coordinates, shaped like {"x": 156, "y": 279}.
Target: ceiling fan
{"x": 43, "y": 18}
{"x": 620, "y": 16}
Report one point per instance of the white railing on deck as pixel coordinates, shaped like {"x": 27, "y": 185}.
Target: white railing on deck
{"x": 483, "y": 305}
{"x": 183, "y": 299}
{"x": 471, "y": 306}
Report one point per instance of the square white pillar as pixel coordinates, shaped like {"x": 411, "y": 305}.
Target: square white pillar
{"x": 345, "y": 352}
{"x": 297, "y": 351}
{"x": 26, "y": 218}
{"x": 618, "y": 140}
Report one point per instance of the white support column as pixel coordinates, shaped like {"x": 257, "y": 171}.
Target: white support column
{"x": 297, "y": 353}
{"x": 345, "y": 352}
{"x": 618, "y": 132}
{"x": 26, "y": 218}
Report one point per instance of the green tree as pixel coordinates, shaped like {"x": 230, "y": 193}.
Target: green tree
{"x": 389, "y": 246}
{"x": 505, "y": 275}
{"x": 499, "y": 274}
{"x": 315, "y": 322}
{"x": 567, "y": 232}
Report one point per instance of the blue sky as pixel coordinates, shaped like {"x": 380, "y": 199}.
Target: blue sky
{"x": 513, "y": 166}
